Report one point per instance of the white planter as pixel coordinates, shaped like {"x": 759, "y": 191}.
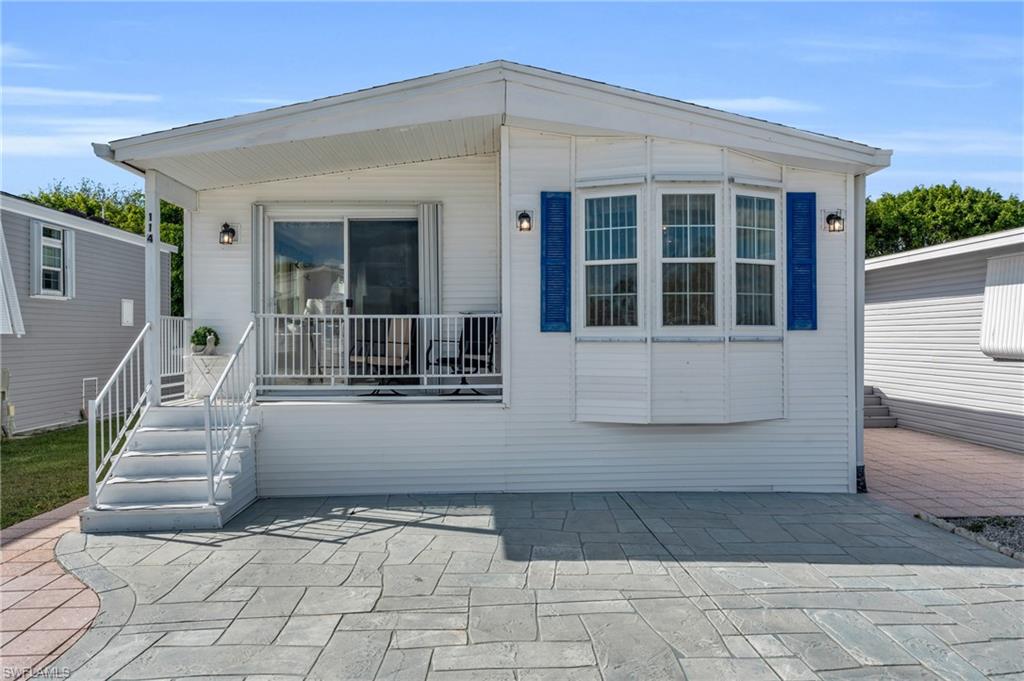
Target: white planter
{"x": 201, "y": 374}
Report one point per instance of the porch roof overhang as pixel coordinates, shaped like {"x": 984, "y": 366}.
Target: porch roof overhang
{"x": 452, "y": 114}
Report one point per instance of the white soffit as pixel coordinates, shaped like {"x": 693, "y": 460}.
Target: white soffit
{"x": 334, "y": 154}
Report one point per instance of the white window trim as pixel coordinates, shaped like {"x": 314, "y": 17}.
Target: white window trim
{"x": 778, "y": 262}
{"x": 67, "y": 249}
{"x": 642, "y": 287}
{"x": 715, "y": 329}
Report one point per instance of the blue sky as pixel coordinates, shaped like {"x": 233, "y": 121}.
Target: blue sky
{"x": 940, "y": 83}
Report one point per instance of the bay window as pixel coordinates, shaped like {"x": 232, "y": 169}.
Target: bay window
{"x": 610, "y": 260}
{"x": 688, "y": 259}
{"x": 756, "y": 260}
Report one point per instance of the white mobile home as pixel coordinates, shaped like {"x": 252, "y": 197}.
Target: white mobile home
{"x": 71, "y": 293}
{"x": 502, "y": 278}
{"x": 944, "y": 338}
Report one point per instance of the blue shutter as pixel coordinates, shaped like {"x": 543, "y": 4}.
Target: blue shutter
{"x": 801, "y": 261}
{"x": 555, "y": 261}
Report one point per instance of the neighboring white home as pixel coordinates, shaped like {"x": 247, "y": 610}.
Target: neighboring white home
{"x": 502, "y": 278}
{"x": 70, "y": 306}
{"x": 944, "y": 337}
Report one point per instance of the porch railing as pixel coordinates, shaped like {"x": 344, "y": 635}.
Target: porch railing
{"x": 174, "y": 342}
{"x": 381, "y": 355}
{"x": 227, "y": 408}
{"x": 115, "y": 413}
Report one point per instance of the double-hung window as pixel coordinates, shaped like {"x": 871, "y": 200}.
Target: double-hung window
{"x": 610, "y": 260}
{"x": 53, "y": 261}
{"x": 688, "y": 259}
{"x": 756, "y": 260}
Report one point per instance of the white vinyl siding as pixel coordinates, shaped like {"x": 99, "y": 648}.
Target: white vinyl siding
{"x": 466, "y": 188}
{"x": 544, "y": 439}
{"x": 922, "y": 351}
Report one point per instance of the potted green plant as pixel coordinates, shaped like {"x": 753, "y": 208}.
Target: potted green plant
{"x": 204, "y": 340}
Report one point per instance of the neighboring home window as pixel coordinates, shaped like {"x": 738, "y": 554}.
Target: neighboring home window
{"x": 52, "y": 261}
{"x": 610, "y": 260}
{"x": 756, "y": 260}
{"x": 688, "y": 259}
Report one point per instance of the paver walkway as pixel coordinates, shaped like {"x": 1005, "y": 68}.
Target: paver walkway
{"x": 948, "y": 478}
{"x": 575, "y": 587}
{"x": 44, "y": 609}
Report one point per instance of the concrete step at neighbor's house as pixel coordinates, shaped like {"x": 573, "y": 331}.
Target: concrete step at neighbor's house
{"x": 879, "y": 421}
{"x": 876, "y": 410}
{"x": 872, "y": 400}
{"x": 869, "y": 390}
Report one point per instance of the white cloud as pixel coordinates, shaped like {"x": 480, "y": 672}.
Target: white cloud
{"x": 12, "y": 56}
{"x": 69, "y": 137}
{"x": 757, "y": 104}
{"x": 951, "y": 142}
{"x": 16, "y": 95}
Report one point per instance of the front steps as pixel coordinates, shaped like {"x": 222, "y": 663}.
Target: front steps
{"x": 160, "y": 481}
{"x": 876, "y": 414}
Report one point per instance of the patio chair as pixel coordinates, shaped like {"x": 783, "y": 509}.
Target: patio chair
{"x": 475, "y": 353}
{"x": 390, "y": 359}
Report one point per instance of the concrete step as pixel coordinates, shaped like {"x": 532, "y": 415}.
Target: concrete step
{"x": 872, "y": 400}
{"x": 129, "y": 517}
{"x": 179, "y": 417}
{"x": 879, "y": 421}
{"x": 180, "y": 437}
{"x": 150, "y": 489}
{"x": 157, "y": 462}
{"x": 869, "y": 390}
{"x": 878, "y": 410}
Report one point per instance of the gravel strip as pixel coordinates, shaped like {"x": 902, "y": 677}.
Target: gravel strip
{"x": 1005, "y": 530}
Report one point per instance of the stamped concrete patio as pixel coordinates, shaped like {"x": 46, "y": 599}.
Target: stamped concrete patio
{"x": 552, "y": 586}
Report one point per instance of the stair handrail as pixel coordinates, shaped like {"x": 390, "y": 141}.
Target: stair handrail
{"x": 116, "y": 413}
{"x": 226, "y": 410}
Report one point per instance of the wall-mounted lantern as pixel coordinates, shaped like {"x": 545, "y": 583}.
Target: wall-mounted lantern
{"x": 227, "y": 235}
{"x": 834, "y": 221}
{"x": 524, "y": 220}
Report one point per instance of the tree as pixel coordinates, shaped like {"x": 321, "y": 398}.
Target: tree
{"x": 925, "y": 216}
{"x": 124, "y": 209}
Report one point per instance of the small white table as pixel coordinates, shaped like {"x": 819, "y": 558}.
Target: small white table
{"x": 202, "y": 373}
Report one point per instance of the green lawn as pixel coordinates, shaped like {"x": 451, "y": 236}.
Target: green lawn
{"x": 41, "y": 472}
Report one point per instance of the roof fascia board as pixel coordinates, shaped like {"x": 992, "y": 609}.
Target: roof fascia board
{"x": 474, "y": 94}
{"x": 56, "y": 217}
{"x": 985, "y": 242}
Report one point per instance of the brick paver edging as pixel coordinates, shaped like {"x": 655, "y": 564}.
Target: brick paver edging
{"x": 117, "y": 602}
{"x": 976, "y": 537}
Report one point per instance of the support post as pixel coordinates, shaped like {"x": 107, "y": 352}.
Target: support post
{"x": 153, "y": 288}
{"x": 860, "y": 237}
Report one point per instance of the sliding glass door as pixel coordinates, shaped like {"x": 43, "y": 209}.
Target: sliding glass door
{"x": 384, "y": 267}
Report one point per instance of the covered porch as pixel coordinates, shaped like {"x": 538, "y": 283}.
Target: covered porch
{"x": 364, "y": 276}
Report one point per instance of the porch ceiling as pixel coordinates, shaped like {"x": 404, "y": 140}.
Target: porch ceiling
{"x": 332, "y": 154}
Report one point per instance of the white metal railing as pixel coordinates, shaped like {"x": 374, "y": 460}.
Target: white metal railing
{"x": 115, "y": 413}
{"x": 418, "y": 354}
{"x": 227, "y": 408}
{"x": 174, "y": 342}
